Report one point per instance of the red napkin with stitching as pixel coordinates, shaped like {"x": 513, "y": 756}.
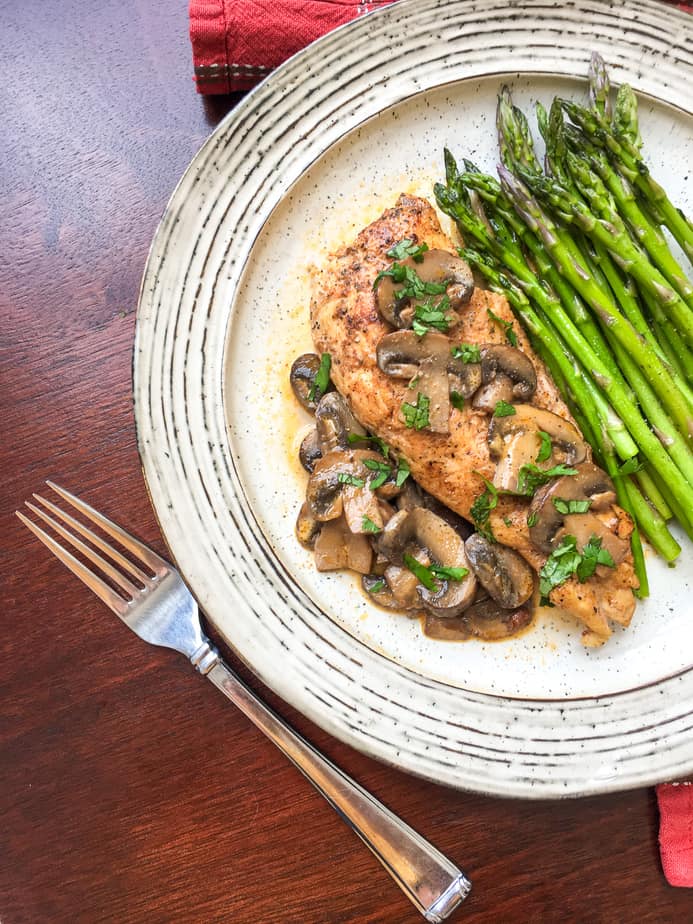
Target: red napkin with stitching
{"x": 236, "y": 43}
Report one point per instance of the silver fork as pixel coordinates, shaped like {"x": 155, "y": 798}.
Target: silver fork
{"x": 163, "y": 612}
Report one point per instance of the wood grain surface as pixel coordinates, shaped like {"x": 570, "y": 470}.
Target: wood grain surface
{"x": 130, "y": 791}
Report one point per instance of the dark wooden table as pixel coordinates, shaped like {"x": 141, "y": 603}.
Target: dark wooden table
{"x": 130, "y": 790}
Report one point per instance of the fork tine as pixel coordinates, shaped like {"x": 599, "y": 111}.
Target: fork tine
{"x": 149, "y": 557}
{"x": 93, "y": 556}
{"x": 100, "y": 543}
{"x": 93, "y": 582}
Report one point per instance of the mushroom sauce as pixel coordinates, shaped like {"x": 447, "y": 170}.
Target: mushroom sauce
{"x": 363, "y": 510}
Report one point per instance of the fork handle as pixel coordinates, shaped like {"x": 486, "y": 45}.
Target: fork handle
{"x": 434, "y": 884}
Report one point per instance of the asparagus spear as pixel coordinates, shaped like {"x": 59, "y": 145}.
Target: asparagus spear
{"x": 626, "y": 155}
{"x": 650, "y": 363}
{"x": 621, "y": 400}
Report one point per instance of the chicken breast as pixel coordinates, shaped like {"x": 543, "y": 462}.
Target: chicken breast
{"x": 347, "y": 325}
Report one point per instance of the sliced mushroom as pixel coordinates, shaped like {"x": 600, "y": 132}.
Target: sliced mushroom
{"x": 507, "y": 374}
{"x": 337, "y": 547}
{"x": 428, "y": 362}
{"x": 514, "y": 441}
{"x": 403, "y": 587}
{"x": 420, "y": 529}
{"x": 307, "y": 527}
{"x": 378, "y": 590}
{"x": 437, "y": 266}
{"x": 502, "y": 572}
{"x": 310, "y": 451}
{"x": 302, "y": 378}
{"x": 590, "y": 483}
{"x": 331, "y": 490}
{"x": 334, "y": 422}
{"x": 565, "y": 437}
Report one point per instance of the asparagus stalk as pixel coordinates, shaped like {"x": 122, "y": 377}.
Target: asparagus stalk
{"x": 587, "y": 174}
{"x": 621, "y": 400}
{"x": 626, "y": 155}
{"x": 650, "y": 363}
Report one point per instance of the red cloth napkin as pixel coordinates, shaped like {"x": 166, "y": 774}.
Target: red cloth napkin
{"x": 238, "y": 42}
{"x": 676, "y": 832}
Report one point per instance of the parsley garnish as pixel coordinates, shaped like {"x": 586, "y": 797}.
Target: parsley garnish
{"x": 571, "y": 506}
{"x": 402, "y": 472}
{"x": 383, "y": 470}
{"x": 416, "y": 415}
{"x": 503, "y": 409}
{"x": 457, "y": 400}
{"x": 427, "y": 575}
{"x": 532, "y": 519}
{"x": 592, "y": 555}
{"x": 407, "y": 248}
{"x": 565, "y": 560}
{"x": 508, "y": 522}
{"x": 412, "y": 284}
{"x": 481, "y": 510}
{"x": 428, "y": 316}
{"x": 530, "y": 477}
{"x": 322, "y": 378}
{"x": 467, "y": 352}
{"x": 377, "y": 587}
{"x": 545, "y": 448}
{"x": 369, "y": 526}
{"x": 630, "y": 467}
{"x": 507, "y": 326}
{"x": 347, "y": 478}
{"x": 413, "y": 382}
{"x": 559, "y": 566}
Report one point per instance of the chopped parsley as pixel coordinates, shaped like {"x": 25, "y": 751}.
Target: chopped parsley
{"x": 592, "y": 555}
{"x": 348, "y": 478}
{"x": 565, "y": 560}
{"x": 449, "y": 574}
{"x": 414, "y": 382}
{"x": 369, "y": 526}
{"x": 416, "y": 415}
{"x": 507, "y": 326}
{"x": 382, "y": 468}
{"x": 407, "y": 248}
{"x": 532, "y": 518}
{"x": 377, "y": 587}
{"x": 467, "y": 352}
{"x": 427, "y": 575}
{"x": 530, "y": 477}
{"x": 457, "y": 400}
{"x": 403, "y": 472}
{"x": 412, "y": 284}
{"x": 545, "y": 448}
{"x": 503, "y": 409}
{"x": 428, "y": 316}
{"x": 321, "y": 381}
{"x": 571, "y": 506}
{"x": 559, "y": 566}
{"x": 508, "y": 522}
{"x": 481, "y": 510}
{"x": 630, "y": 467}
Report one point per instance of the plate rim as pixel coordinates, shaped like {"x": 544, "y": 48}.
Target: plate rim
{"x": 404, "y": 12}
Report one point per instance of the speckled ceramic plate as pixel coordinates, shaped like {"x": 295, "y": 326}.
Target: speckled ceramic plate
{"x": 306, "y": 160}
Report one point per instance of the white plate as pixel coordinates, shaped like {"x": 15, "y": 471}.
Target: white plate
{"x": 310, "y": 157}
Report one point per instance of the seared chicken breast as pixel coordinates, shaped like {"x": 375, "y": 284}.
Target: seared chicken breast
{"x": 346, "y": 324}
